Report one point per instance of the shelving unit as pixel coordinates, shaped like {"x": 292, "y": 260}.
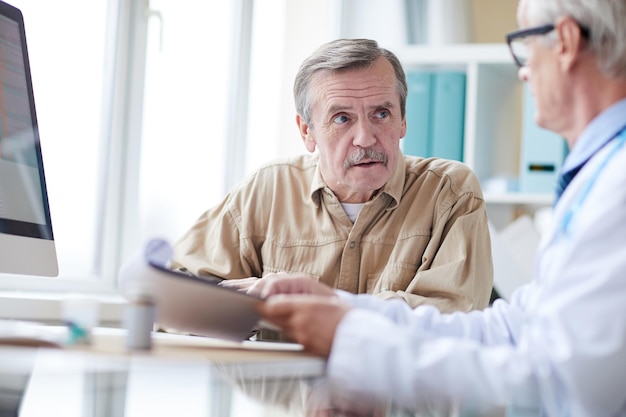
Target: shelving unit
{"x": 494, "y": 105}
{"x": 493, "y": 114}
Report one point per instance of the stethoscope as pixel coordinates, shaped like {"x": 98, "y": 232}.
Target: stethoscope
{"x": 573, "y": 209}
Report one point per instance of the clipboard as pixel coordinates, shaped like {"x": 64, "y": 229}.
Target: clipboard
{"x": 187, "y": 303}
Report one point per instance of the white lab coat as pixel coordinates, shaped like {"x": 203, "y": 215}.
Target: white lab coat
{"x": 559, "y": 346}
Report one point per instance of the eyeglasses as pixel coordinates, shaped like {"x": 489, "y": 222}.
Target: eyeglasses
{"x": 518, "y": 40}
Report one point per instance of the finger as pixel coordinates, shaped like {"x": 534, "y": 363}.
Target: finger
{"x": 239, "y": 284}
{"x": 276, "y": 286}
{"x": 261, "y": 285}
{"x": 277, "y": 306}
{"x": 288, "y": 285}
{"x": 284, "y": 310}
{"x": 258, "y": 287}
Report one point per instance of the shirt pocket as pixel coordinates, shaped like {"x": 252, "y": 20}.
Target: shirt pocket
{"x": 394, "y": 277}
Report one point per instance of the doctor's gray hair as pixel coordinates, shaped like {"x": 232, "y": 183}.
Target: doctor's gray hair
{"x": 340, "y": 55}
{"x": 605, "y": 20}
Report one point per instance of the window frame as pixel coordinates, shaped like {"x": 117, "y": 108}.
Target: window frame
{"x": 41, "y": 298}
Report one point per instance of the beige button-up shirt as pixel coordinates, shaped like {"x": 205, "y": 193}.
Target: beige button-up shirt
{"x": 423, "y": 237}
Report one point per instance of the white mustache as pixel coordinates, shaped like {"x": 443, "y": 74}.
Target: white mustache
{"x": 367, "y": 153}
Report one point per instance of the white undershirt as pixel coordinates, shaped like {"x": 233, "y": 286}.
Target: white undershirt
{"x": 352, "y": 210}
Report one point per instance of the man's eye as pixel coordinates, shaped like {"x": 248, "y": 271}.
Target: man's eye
{"x": 342, "y": 118}
{"x": 383, "y": 114}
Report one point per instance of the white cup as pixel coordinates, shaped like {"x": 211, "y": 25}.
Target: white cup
{"x": 139, "y": 323}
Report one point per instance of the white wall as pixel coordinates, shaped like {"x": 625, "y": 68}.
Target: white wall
{"x": 298, "y": 27}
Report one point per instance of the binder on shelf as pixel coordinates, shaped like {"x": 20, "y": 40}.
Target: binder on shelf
{"x": 418, "y": 109}
{"x": 435, "y": 114}
{"x": 448, "y": 115}
{"x": 542, "y": 153}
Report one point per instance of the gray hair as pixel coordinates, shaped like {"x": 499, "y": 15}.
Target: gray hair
{"x": 340, "y": 55}
{"x": 605, "y": 19}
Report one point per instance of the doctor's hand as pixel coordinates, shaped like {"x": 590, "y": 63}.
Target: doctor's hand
{"x": 285, "y": 283}
{"x": 239, "y": 284}
{"x": 310, "y": 320}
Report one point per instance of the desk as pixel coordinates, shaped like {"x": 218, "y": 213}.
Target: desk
{"x": 180, "y": 376}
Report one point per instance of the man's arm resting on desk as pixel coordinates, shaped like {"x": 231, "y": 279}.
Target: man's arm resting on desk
{"x": 457, "y": 273}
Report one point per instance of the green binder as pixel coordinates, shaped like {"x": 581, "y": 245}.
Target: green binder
{"x": 448, "y": 115}
{"x": 418, "y": 110}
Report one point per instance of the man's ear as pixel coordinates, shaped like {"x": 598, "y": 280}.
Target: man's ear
{"x": 306, "y": 134}
{"x": 570, "y": 44}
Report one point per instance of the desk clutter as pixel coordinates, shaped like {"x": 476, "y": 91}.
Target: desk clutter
{"x": 105, "y": 378}
{"x": 121, "y": 341}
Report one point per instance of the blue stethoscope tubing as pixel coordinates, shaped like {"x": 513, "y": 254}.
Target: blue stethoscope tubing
{"x": 571, "y": 212}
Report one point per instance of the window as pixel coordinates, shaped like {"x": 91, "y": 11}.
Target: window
{"x": 185, "y": 115}
{"x": 143, "y": 111}
{"x": 99, "y": 68}
{"x": 67, "y": 42}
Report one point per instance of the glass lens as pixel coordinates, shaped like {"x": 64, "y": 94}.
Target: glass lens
{"x": 519, "y": 48}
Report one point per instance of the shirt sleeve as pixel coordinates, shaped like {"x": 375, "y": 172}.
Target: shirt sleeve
{"x": 457, "y": 269}
{"x": 213, "y": 246}
{"x": 425, "y": 360}
{"x": 559, "y": 346}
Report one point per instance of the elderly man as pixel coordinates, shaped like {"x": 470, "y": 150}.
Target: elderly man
{"x": 559, "y": 346}
{"x": 357, "y": 215}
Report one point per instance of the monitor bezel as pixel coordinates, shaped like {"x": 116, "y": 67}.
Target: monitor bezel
{"x": 28, "y": 248}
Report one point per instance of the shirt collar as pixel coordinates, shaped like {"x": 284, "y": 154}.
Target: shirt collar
{"x": 598, "y": 133}
{"x": 393, "y": 187}
{"x": 318, "y": 184}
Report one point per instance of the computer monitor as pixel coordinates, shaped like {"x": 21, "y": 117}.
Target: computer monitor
{"x": 26, "y": 241}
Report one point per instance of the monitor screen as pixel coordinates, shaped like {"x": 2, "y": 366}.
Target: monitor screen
{"x": 26, "y": 240}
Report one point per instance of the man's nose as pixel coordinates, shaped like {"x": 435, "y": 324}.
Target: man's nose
{"x": 364, "y": 134}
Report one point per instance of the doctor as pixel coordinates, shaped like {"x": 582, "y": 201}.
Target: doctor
{"x": 559, "y": 346}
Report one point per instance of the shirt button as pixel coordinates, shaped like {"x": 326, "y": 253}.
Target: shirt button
{"x": 352, "y": 245}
